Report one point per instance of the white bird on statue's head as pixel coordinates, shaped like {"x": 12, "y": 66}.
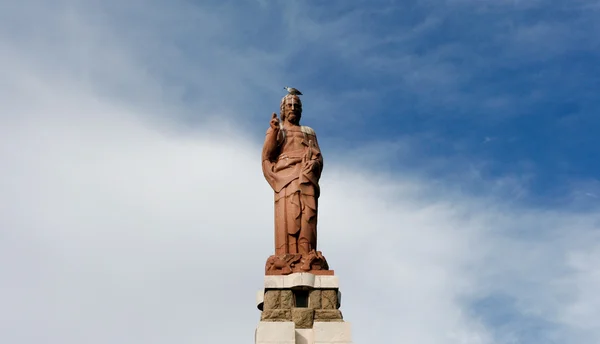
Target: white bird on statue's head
{"x": 293, "y": 91}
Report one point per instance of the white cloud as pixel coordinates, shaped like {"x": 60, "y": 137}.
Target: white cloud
{"x": 118, "y": 226}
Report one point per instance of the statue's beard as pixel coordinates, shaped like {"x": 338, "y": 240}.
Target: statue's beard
{"x": 292, "y": 117}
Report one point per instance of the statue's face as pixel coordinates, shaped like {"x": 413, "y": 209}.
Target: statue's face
{"x": 293, "y": 110}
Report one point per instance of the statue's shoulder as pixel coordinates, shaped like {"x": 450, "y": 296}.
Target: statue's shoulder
{"x": 308, "y": 130}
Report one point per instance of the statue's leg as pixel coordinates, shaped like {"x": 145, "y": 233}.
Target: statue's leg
{"x": 307, "y": 240}
{"x": 303, "y": 245}
{"x": 293, "y": 244}
{"x": 281, "y": 244}
{"x": 293, "y": 219}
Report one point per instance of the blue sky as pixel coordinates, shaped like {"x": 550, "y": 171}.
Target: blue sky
{"x": 460, "y": 194}
{"x": 508, "y": 84}
{"x": 506, "y": 87}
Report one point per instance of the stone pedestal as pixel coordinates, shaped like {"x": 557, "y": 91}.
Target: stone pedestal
{"x": 301, "y": 308}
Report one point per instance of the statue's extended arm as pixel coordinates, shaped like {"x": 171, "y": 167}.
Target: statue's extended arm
{"x": 270, "y": 147}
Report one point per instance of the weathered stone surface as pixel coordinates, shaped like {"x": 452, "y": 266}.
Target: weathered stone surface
{"x": 287, "y": 299}
{"x": 328, "y": 315}
{"x": 329, "y": 299}
{"x": 276, "y": 315}
{"x": 272, "y": 299}
{"x": 314, "y": 299}
{"x": 303, "y": 317}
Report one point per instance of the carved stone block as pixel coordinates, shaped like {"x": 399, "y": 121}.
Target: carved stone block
{"x": 272, "y": 299}
{"x": 328, "y": 315}
{"x": 276, "y": 315}
{"x": 287, "y": 299}
{"x": 303, "y": 317}
{"x": 329, "y": 299}
{"x": 314, "y": 299}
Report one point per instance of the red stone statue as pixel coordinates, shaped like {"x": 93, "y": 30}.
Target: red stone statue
{"x": 292, "y": 164}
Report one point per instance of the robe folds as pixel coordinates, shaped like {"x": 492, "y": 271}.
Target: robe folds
{"x": 292, "y": 165}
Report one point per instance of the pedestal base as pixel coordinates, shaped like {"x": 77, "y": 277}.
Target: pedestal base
{"x": 285, "y": 333}
{"x": 301, "y": 308}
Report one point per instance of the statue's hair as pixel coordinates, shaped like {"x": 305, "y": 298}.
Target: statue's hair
{"x": 284, "y": 101}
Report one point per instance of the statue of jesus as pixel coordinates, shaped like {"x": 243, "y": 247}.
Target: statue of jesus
{"x": 292, "y": 165}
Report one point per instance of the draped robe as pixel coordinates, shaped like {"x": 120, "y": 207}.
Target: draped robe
{"x": 292, "y": 165}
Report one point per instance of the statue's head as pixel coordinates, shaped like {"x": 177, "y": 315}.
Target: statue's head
{"x": 291, "y": 108}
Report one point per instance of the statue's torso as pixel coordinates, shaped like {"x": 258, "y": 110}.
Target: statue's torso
{"x": 295, "y": 140}
{"x": 295, "y": 146}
